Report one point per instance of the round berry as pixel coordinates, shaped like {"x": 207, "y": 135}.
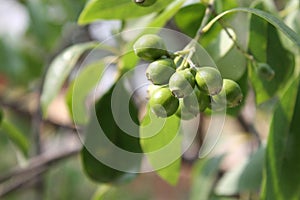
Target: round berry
{"x": 162, "y": 103}
{"x": 144, "y": 3}
{"x": 197, "y": 102}
{"x": 265, "y": 71}
{"x": 209, "y": 80}
{"x": 150, "y": 47}
{"x": 183, "y": 112}
{"x": 231, "y": 94}
{"x": 160, "y": 71}
{"x": 182, "y": 83}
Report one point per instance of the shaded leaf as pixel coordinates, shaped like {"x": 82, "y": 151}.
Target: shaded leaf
{"x": 161, "y": 143}
{"x": 124, "y": 9}
{"x": 59, "y": 70}
{"x": 282, "y": 62}
{"x": 111, "y": 153}
{"x": 282, "y": 166}
{"x": 189, "y": 18}
{"x": 205, "y": 174}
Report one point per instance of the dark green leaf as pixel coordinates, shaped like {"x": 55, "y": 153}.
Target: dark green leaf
{"x": 189, "y": 18}
{"x": 161, "y": 142}
{"x": 16, "y": 136}
{"x": 282, "y": 177}
{"x": 124, "y": 9}
{"x": 205, "y": 174}
{"x": 59, "y": 70}
{"x": 110, "y": 154}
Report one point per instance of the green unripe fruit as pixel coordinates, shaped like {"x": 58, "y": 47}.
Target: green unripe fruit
{"x": 182, "y": 83}
{"x": 151, "y": 89}
{"x": 197, "y": 102}
{"x": 160, "y": 71}
{"x": 183, "y": 112}
{"x": 265, "y": 71}
{"x": 162, "y": 103}
{"x": 209, "y": 80}
{"x": 144, "y": 3}
{"x": 150, "y": 47}
{"x": 231, "y": 93}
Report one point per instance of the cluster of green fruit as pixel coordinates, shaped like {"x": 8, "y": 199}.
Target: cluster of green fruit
{"x": 180, "y": 88}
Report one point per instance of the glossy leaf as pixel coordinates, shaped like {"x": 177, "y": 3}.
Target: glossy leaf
{"x": 106, "y": 141}
{"x": 59, "y": 70}
{"x": 161, "y": 143}
{"x": 124, "y": 9}
{"x": 282, "y": 178}
{"x": 277, "y": 23}
{"x": 16, "y": 136}
{"x": 205, "y": 174}
{"x": 80, "y": 88}
{"x": 246, "y": 177}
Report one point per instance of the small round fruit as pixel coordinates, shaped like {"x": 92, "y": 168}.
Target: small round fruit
{"x": 182, "y": 83}
{"x": 183, "y": 112}
{"x": 209, "y": 80}
{"x": 197, "y": 102}
{"x": 265, "y": 71}
{"x": 231, "y": 94}
{"x": 162, "y": 103}
{"x": 144, "y": 3}
{"x": 151, "y": 89}
{"x": 150, "y": 47}
{"x": 160, "y": 71}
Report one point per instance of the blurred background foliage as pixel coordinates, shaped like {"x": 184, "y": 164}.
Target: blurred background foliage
{"x": 33, "y": 32}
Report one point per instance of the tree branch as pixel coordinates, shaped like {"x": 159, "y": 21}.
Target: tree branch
{"x": 38, "y": 165}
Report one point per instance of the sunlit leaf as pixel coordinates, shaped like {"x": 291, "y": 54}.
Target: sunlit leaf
{"x": 161, "y": 142}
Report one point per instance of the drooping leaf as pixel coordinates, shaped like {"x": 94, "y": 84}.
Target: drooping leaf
{"x": 161, "y": 143}
{"x": 281, "y": 61}
{"x": 277, "y": 23}
{"x": 112, "y": 151}
{"x": 205, "y": 174}
{"x": 246, "y": 177}
{"x": 282, "y": 166}
{"x": 124, "y": 9}
{"x": 16, "y": 136}
{"x": 79, "y": 90}
{"x": 59, "y": 70}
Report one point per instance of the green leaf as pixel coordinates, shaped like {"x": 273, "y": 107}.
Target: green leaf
{"x": 80, "y": 88}
{"x": 112, "y": 154}
{"x": 189, "y": 18}
{"x": 124, "y": 9}
{"x": 277, "y": 23}
{"x": 161, "y": 143}
{"x": 282, "y": 178}
{"x": 205, "y": 174}
{"x": 246, "y": 177}
{"x": 16, "y": 136}
{"x": 281, "y": 60}
{"x": 59, "y": 70}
